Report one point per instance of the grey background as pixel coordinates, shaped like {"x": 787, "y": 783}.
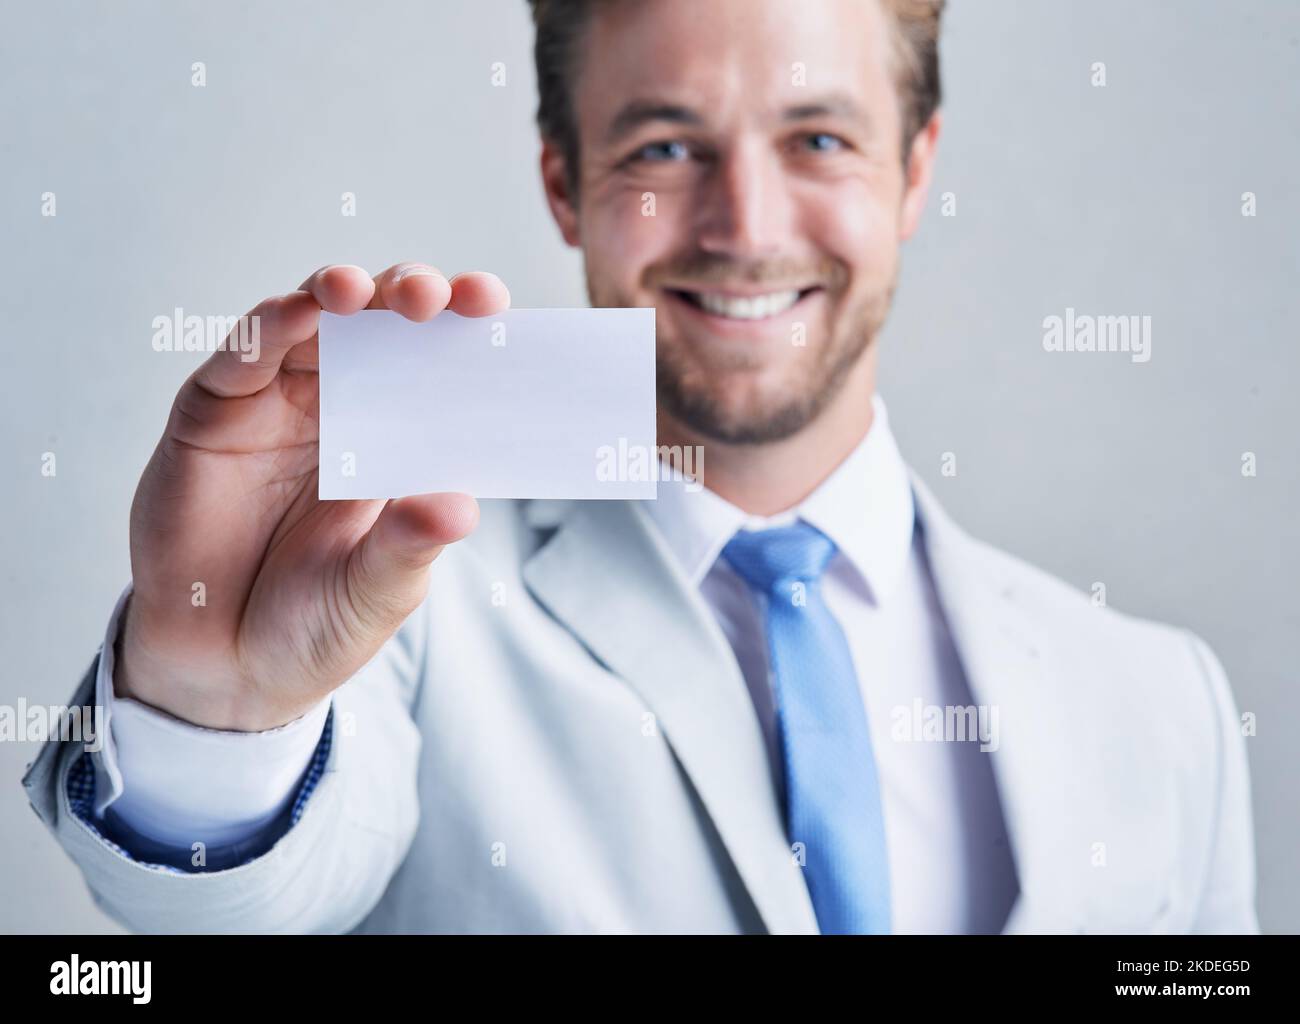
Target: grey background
{"x": 1116, "y": 200}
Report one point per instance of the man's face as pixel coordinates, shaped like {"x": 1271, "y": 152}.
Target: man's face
{"x": 741, "y": 171}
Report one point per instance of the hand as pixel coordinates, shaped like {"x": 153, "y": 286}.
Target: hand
{"x": 298, "y": 593}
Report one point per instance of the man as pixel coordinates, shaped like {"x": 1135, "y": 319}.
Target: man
{"x": 799, "y": 700}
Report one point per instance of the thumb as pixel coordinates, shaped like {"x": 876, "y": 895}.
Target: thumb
{"x": 388, "y": 570}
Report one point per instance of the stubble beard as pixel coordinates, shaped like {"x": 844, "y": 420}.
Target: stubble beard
{"x": 686, "y": 395}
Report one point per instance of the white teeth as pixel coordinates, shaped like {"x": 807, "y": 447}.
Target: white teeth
{"x": 754, "y": 307}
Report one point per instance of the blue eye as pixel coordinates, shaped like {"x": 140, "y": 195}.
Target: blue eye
{"x": 824, "y": 142}
{"x": 662, "y": 152}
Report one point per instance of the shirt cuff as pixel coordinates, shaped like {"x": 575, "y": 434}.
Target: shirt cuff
{"x": 176, "y": 783}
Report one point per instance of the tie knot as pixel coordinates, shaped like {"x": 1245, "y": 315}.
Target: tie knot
{"x": 767, "y": 558}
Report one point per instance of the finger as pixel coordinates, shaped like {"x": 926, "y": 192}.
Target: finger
{"x": 252, "y": 353}
{"x": 416, "y": 290}
{"x": 340, "y": 288}
{"x": 478, "y": 294}
{"x": 387, "y": 574}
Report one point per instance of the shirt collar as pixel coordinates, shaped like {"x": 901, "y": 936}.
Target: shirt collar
{"x": 864, "y": 506}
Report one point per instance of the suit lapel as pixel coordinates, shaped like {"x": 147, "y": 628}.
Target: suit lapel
{"x": 609, "y": 579}
{"x": 1010, "y": 665}
{"x": 607, "y": 576}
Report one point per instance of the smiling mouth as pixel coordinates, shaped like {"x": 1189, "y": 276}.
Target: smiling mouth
{"x": 744, "y": 307}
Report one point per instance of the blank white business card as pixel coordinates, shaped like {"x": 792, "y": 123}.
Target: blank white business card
{"x": 529, "y": 403}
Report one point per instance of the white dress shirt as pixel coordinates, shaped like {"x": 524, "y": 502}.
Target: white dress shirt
{"x": 169, "y": 780}
{"x": 949, "y": 859}
{"x": 950, "y": 863}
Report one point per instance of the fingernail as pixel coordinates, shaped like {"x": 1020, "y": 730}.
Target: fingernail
{"x": 412, "y": 271}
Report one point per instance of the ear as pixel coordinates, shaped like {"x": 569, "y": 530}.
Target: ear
{"x": 920, "y": 166}
{"x": 555, "y": 183}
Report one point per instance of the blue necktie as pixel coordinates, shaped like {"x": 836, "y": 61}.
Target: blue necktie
{"x": 831, "y": 786}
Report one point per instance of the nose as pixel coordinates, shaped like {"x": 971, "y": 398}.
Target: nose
{"x": 743, "y": 209}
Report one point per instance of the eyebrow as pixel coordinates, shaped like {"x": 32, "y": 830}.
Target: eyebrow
{"x": 635, "y": 113}
{"x": 833, "y": 105}
{"x": 639, "y": 112}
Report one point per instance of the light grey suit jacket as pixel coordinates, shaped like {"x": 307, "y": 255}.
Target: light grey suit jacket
{"x": 560, "y": 740}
